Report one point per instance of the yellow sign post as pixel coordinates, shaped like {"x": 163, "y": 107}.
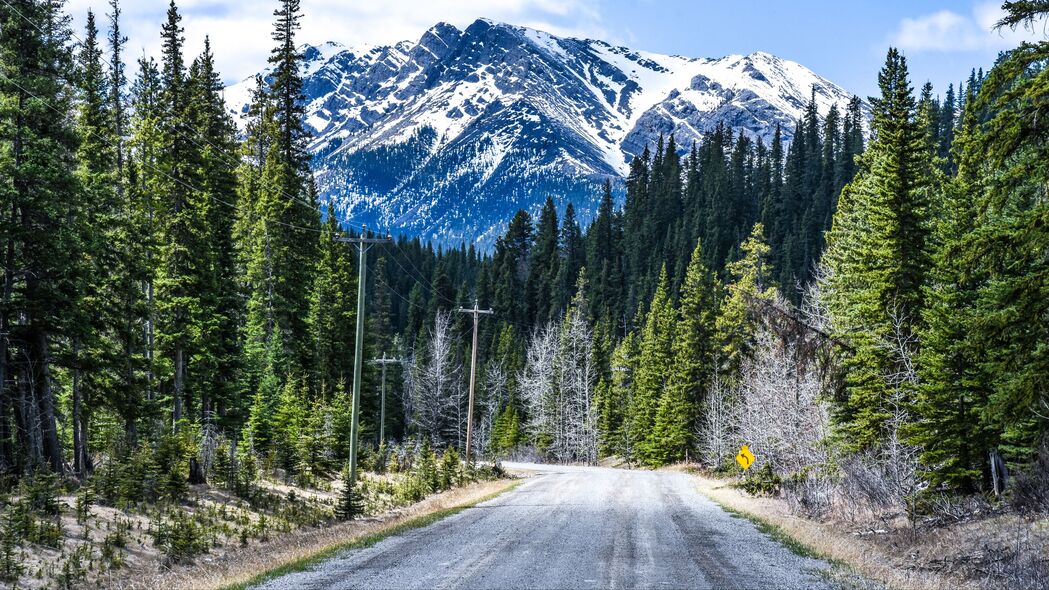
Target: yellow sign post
{"x": 745, "y": 458}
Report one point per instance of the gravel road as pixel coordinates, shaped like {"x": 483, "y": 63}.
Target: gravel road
{"x": 575, "y": 527}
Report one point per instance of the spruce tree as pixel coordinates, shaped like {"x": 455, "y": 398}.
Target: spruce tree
{"x": 182, "y": 222}
{"x": 654, "y": 365}
{"x": 333, "y": 311}
{"x": 283, "y": 217}
{"x": 1006, "y": 251}
{"x": 878, "y": 257}
{"x": 129, "y": 240}
{"x": 694, "y": 338}
{"x": 543, "y": 266}
{"x": 92, "y": 348}
{"x": 218, "y": 356}
{"x": 38, "y": 195}
{"x": 953, "y": 385}
{"x": 750, "y": 288}
{"x": 350, "y": 504}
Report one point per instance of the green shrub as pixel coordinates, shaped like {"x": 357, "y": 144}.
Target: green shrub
{"x": 762, "y": 482}
{"x": 40, "y": 494}
{"x": 178, "y": 537}
{"x": 11, "y": 563}
{"x": 84, "y": 498}
{"x": 350, "y": 504}
{"x": 449, "y": 475}
{"x": 426, "y": 469}
{"x": 73, "y": 569}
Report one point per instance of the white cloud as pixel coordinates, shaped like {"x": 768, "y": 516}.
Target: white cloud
{"x": 950, "y": 31}
{"x": 240, "y": 29}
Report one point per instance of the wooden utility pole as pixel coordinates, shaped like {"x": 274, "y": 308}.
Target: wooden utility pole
{"x": 382, "y": 400}
{"x": 363, "y": 243}
{"x": 473, "y": 377}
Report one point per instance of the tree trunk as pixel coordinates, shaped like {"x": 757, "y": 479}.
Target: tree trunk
{"x": 196, "y": 472}
{"x": 46, "y": 399}
{"x": 180, "y": 367}
{"x": 79, "y": 452}
{"x": 7, "y": 459}
{"x": 29, "y": 420}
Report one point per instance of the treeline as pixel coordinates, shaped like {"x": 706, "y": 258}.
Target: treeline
{"x": 891, "y": 300}
{"x": 171, "y": 282}
{"x": 160, "y": 274}
{"x": 168, "y": 276}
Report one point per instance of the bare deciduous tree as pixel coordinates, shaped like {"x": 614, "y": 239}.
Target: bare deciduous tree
{"x": 436, "y": 386}
{"x": 557, "y": 384}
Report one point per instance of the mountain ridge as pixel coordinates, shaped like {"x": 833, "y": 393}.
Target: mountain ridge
{"x": 446, "y": 137}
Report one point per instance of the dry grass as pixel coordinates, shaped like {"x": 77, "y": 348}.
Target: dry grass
{"x": 881, "y": 556}
{"x": 240, "y": 566}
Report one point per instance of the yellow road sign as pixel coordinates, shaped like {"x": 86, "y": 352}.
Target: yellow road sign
{"x": 745, "y": 458}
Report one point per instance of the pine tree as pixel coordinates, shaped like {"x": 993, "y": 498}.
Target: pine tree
{"x": 736, "y": 324}
{"x": 694, "y": 338}
{"x": 572, "y": 258}
{"x": 283, "y": 200}
{"x": 219, "y": 355}
{"x": 288, "y": 425}
{"x": 333, "y": 311}
{"x": 543, "y": 266}
{"x": 92, "y": 348}
{"x": 1006, "y": 251}
{"x": 878, "y": 256}
{"x": 653, "y": 368}
{"x": 350, "y": 505}
{"x": 40, "y": 256}
{"x": 615, "y": 401}
{"x": 129, "y": 240}
{"x": 953, "y": 386}
{"x": 144, "y": 184}
{"x": 181, "y": 217}
{"x": 510, "y": 264}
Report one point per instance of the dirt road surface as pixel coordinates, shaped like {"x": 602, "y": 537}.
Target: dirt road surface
{"x": 575, "y": 527}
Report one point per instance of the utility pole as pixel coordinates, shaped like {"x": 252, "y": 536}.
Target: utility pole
{"x": 473, "y": 377}
{"x": 382, "y": 400}
{"x": 363, "y": 243}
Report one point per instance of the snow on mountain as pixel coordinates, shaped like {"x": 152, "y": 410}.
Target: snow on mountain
{"x": 446, "y": 137}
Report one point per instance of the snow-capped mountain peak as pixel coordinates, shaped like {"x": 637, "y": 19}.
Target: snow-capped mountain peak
{"x": 446, "y": 136}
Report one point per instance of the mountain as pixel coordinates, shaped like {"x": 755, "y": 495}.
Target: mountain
{"x": 445, "y": 138}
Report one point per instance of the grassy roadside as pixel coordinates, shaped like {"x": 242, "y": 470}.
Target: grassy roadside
{"x": 856, "y": 563}
{"x": 366, "y": 539}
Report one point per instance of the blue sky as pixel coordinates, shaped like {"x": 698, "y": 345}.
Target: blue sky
{"x": 844, "y": 41}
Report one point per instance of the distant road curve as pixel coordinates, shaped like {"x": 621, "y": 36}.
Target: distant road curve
{"x": 575, "y": 527}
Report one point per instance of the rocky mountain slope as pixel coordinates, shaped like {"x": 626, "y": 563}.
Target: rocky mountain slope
{"x": 446, "y": 137}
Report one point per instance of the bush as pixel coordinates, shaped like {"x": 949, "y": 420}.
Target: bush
{"x": 411, "y": 489}
{"x": 11, "y": 567}
{"x": 173, "y": 453}
{"x": 350, "y": 505}
{"x": 73, "y": 569}
{"x": 1031, "y": 487}
{"x": 449, "y": 475}
{"x": 179, "y": 537}
{"x": 762, "y": 483}
{"x": 382, "y": 458}
{"x": 426, "y": 469}
{"x": 809, "y": 492}
{"x": 40, "y": 494}
{"x": 84, "y": 498}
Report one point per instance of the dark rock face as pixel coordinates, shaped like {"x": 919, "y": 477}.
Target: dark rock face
{"x": 447, "y": 137}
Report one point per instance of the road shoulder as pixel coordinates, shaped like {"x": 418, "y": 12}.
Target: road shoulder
{"x": 857, "y": 564}
{"x": 300, "y": 549}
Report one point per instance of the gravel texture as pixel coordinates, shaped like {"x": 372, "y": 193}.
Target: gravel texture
{"x": 576, "y": 527}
